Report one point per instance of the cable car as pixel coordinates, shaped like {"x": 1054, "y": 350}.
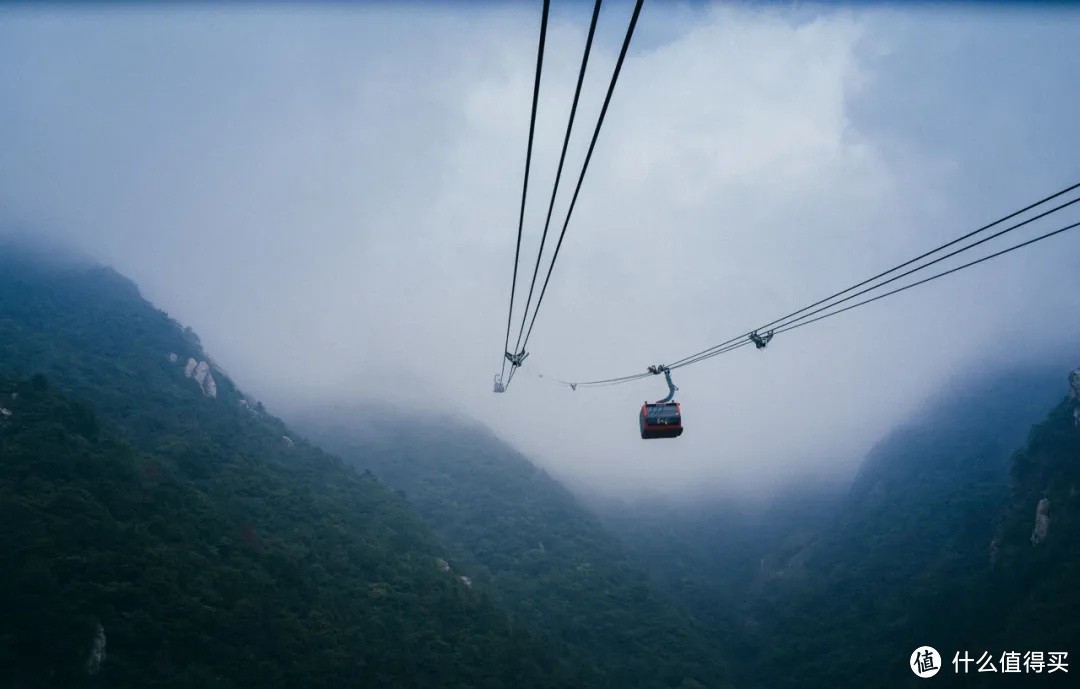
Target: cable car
{"x": 661, "y": 419}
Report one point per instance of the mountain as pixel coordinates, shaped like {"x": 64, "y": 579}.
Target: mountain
{"x": 1034, "y": 559}
{"x": 910, "y": 540}
{"x": 838, "y": 590}
{"x": 539, "y": 550}
{"x": 162, "y": 529}
{"x": 161, "y": 522}
{"x": 711, "y": 554}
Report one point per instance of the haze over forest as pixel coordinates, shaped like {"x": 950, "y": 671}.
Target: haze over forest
{"x": 328, "y": 196}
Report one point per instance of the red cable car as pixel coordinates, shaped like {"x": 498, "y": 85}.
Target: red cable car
{"x": 661, "y": 419}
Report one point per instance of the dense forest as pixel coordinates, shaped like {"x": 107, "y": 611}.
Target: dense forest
{"x": 212, "y": 549}
{"x": 121, "y": 573}
{"x": 325, "y": 553}
{"x": 550, "y": 559}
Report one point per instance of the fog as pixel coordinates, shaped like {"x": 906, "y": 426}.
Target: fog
{"x": 329, "y": 196}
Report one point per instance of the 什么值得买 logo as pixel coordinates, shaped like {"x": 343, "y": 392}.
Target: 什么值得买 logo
{"x": 926, "y": 662}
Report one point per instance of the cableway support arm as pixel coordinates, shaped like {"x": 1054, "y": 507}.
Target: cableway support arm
{"x": 656, "y": 370}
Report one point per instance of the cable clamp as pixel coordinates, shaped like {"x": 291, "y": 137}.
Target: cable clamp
{"x": 761, "y": 340}
{"x": 516, "y": 359}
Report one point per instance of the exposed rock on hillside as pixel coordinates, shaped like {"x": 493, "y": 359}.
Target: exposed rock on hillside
{"x": 97, "y": 653}
{"x": 200, "y": 371}
{"x": 1042, "y": 522}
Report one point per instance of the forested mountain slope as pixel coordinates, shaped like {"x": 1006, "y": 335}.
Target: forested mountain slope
{"x": 149, "y": 507}
{"x": 1035, "y": 556}
{"x": 910, "y": 541}
{"x": 838, "y": 590}
{"x": 713, "y": 554}
{"x": 212, "y": 548}
{"x": 547, "y": 557}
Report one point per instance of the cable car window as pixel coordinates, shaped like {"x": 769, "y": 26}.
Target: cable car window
{"x": 663, "y": 413}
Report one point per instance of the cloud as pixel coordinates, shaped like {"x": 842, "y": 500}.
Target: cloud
{"x": 330, "y": 197}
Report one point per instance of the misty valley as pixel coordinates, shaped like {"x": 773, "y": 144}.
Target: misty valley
{"x": 163, "y": 529}
{"x": 548, "y": 345}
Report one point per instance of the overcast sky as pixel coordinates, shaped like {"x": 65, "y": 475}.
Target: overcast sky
{"x": 329, "y": 197}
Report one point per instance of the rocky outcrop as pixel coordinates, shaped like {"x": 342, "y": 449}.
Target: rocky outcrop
{"x": 1042, "y": 522}
{"x": 444, "y": 566}
{"x": 200, "y": 371}
{"x": 205, "y": 380}
{"x": 97, "y": 652}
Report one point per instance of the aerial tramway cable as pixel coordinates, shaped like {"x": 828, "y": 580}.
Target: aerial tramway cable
{"x": 524, "y": 189}
{"x": 785, "y": 326}
{"x": 1040, "y": 238}
{"x": 780, "y": 322}
{"x": 788, "y": 322}
{"x": 808, "y": 314}
{"x": 581, "y": 177}
{"x": 558, "y": 174}
{"x": 798, "y": 323}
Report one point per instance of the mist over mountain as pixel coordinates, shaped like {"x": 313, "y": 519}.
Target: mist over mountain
{"x": 548, "y": 557}
{"x": 156, "y": 506}
{"x": 333, "y": 208}
{"x": 256, "y": 262}
{"x": 327, "y": 542}
{"x": 166, "y": 526}
{"x": 828, "y": 588}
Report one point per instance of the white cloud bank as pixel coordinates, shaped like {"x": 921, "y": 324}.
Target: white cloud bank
{"x": 330, "y": 198}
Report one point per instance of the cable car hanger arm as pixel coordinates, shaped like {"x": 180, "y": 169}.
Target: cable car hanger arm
{"x": 657, "y": 370}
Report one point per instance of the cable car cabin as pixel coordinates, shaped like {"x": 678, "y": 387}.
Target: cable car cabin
{"x": 660, "y": 420}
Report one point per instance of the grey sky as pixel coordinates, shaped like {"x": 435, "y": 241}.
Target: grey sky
{"x": 329, "y": 196}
